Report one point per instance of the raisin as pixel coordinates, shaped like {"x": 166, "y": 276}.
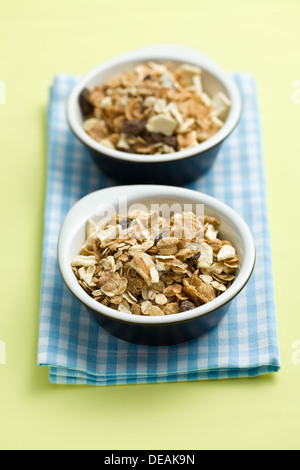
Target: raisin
{"x": 193, "y": 260}
{"x": 152, "y": 137}
{"x": 186, "y": 305}
{"x": 156, "y": 137}
{"x": 134, "y": 127}
{"x": 86, "y": 107}
{"x": 171, "y": 141}
{"x": 125, "y": 223}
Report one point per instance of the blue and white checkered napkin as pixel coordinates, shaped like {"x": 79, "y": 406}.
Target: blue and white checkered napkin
{"x": 77, "y": 350}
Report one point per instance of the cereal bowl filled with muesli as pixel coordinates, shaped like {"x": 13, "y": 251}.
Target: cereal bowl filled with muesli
{"x": 155, "y": 115}
{"x": 155, "y": 265}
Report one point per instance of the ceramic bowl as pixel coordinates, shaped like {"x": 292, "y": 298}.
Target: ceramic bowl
{"x": 158, "y": 330}
{"x": 180, "y": 167}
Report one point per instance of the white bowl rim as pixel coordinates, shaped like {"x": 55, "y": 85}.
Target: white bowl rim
{"x": 147, "y": 191}
{"x": 161, "y": 52}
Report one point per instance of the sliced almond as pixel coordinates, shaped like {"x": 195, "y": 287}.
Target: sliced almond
{"x": 226, "y": 252}
{"x": 162, "y": 124}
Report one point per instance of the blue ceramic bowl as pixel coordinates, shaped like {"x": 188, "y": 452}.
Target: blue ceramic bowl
{"x": 178, "y": 168}
{"x": 159, "y": 330}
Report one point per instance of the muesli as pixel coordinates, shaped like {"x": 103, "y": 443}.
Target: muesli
{"x": 153, "y": 109}
{"x": 144, "y": 264}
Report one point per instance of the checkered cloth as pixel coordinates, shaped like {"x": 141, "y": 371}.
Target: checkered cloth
{"x": 77, "y": 350}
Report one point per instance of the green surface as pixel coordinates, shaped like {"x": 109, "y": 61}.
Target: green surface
{"x": 41, "y": 38}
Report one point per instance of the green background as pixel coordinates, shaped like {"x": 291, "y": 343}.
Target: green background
{"x": 41, "y": 38}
